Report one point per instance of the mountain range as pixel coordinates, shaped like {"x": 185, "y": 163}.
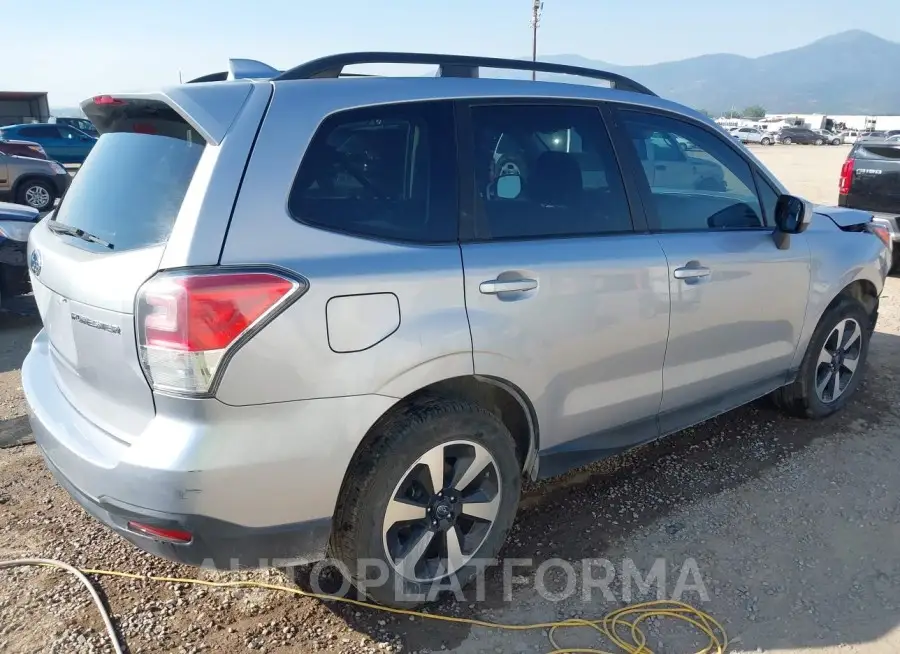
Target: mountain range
{"x": 853, "y": 72}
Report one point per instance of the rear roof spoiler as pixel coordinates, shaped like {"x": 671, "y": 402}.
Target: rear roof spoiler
{"x": 240, "y": 69}
{"x": 448, "y": 66}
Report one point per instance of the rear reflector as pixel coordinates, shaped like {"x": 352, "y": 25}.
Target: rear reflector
{"x": 159, "y": 533}
{"x": 187, "y": 323}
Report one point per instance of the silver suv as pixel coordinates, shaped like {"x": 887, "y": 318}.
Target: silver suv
{"x": 297, "y": 314}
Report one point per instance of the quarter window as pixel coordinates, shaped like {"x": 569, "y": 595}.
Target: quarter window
{"x": 545, "y": 171}
{"x": 386, "y": 172}
{"x": 704, "y": 186}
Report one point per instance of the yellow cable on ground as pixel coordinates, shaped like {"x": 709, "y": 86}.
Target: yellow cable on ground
{"x": 610, "y": 626}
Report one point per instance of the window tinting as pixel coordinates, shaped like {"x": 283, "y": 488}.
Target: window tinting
{"x": 544, "y": 171}
{"x": 386, "y": 172}
{"x": 696, "y": 180}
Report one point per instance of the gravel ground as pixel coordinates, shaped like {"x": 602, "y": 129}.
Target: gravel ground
{"x": 792, "y": 527}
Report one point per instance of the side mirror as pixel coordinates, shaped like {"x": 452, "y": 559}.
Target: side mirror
{"x": 792, "y": 216}
{"x": 509, "y": 187}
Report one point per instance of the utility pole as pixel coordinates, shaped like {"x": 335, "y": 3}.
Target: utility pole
{"x": 537, "y": 9}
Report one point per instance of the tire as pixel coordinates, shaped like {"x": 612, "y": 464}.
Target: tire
{"x": 820, "y": 142}
{"x": 801, "y": 397}
{"x": 32, "y": 190}
{"x": 766, "y": 141}
{"x": 393, "y": 467}
{"x": 836, "y": 142}
{"x": 786, "y": 140}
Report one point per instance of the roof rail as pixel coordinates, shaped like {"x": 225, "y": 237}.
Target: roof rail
{"x": 451, "y": 66}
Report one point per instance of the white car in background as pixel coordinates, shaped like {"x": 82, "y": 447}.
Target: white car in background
{"x": 830, "y": 137}
{"x": 752, "y": 135}
{"x": 849, "y": 136}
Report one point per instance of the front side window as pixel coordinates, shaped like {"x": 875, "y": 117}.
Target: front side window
{"x": 709, "y": 186}
{"x": 546, "y": 171}
{"x": 386, "y": 172}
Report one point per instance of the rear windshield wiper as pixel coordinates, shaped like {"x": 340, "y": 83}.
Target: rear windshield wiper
{"x": 68, "y": 230}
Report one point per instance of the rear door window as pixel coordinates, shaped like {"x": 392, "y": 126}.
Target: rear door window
{"x": 131, "y": 187}
{"x": 387, "y": 172}
{"x": 545, "y": 171}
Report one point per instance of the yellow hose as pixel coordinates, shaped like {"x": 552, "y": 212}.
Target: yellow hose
{"x": 625, "y": 635}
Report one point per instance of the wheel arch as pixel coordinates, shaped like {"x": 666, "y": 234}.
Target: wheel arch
{"x": 29, "y": 177}
{"x": 503, "y": 398}
{"x": 862, "y": 289}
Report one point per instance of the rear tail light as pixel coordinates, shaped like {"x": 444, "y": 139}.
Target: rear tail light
{"x": 188, "y": 323}
{"x": 881, "y": 232}
{"x": 846, "y": 177}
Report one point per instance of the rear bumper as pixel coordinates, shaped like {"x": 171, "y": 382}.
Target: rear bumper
{"x": 255, "y": 486}
{"x": 216, "y": 543}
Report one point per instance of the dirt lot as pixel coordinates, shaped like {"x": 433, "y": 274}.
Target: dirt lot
{"x": 793, "y": 525}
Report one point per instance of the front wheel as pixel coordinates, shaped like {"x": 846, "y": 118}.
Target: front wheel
{"x": 434, "y": 496}
{"x": 766, "y": 141}
{"x": 833, "y": 364}
{"x": 820, "y": 142}
{"x": 37, "y": 194}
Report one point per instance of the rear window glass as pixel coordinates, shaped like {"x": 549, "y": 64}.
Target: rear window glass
{"x": 387, "y": 172}
{"x": 882, "y": 151}
{"x": 131, "y": 187}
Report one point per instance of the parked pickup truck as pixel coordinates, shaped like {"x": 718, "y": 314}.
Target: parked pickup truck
{"x": 870, "y": 180}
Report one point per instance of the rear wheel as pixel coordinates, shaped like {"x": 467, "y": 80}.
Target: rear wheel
{"x": 436, "y": 493}
{"x": 833, "y": 364}
{"x": 37, "y": 194}
{"x": 836, "y": 142}
{"x": 786, "y": 140}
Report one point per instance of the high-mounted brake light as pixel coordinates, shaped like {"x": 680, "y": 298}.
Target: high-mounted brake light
{"x": 187, "y": 323}
{"x": 107, "y": 99}
{"x": 846, "y": 177}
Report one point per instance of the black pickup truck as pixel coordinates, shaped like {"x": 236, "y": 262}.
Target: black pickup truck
{"x": 870, "y": 180}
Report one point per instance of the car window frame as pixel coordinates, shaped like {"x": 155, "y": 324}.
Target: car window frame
{"x": 636, "y": 170}
{"x": 454, "y": 210}
{"x": 473, "y": 217}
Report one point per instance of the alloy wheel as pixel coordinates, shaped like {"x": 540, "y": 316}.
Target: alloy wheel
{"x": 37, "y": 197}
{"x": 442, "y": 510}
{"x": 838, "y": 360}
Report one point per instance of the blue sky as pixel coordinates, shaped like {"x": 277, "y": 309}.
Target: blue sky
{"x": 92, "y": 46}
